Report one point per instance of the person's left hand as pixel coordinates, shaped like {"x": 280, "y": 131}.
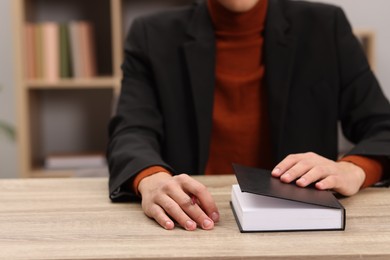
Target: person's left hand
{"x": 343, "y": 177}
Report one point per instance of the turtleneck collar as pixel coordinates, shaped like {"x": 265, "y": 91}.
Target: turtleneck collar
{"x": 225, "y": 20}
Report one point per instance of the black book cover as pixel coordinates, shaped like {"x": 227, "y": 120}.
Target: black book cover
{"x": 259, "y": 181}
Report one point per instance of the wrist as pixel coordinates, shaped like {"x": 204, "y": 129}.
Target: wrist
{"x": 152, "y": 180}
{"x": 372, "y": 166}
{"x": 143, "y": 174}
{"x": 356, "y": 171}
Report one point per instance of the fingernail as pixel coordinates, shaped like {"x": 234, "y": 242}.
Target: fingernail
{"x": 169, "y": 225}
{"x": 276, "y": 171}
{"x": 207, "y": 223}
{"x": 319, "y": 185}
{"x": 286, "y": 177}
{"x": 215, "y": 216}
{"x": 190, "y": 225}
{"x": 302, "y": 181}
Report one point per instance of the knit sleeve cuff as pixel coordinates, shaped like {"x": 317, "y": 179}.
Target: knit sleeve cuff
{"x": 145, "y": 173}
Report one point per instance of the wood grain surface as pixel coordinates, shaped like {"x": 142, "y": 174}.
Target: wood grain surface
{"x": 74, "y": 219}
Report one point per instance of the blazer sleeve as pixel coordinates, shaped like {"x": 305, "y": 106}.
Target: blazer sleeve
{"x": 136, "y": 131}
{"x": 364, "y": 111}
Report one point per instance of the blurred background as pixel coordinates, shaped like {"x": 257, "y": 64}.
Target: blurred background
{"x": 53, "y": 126}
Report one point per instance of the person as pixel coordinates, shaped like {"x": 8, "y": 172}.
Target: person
{"x": 262, "y": 83}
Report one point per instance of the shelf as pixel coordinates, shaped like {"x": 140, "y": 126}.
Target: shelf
{"x": 92, "y": 83}
{"x": 77, "y": 173}
{"x": 42, "y": 173}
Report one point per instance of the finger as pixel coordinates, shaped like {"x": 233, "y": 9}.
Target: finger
{"x": 296, "y": 171}
{"x": 173, "y": 209}
{"x": 203, "y": 196}
{"x": 327, "y": 183}
{"x": 285, "y": 165}
{"x": 159, "y": 215}
{"x": 315, "y": 174}
{"x": 189, "y": 205}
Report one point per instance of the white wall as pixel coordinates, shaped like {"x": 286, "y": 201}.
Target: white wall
{"x": 8, "y": 152}
{"x": 373, "y": 15}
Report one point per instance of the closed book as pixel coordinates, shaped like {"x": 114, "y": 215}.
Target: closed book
{"x": 75, "y": 47}
{"x": 262, "y": 203}
{"x": 65, "y": 59}
{"x": 87, "y": 49}
{"x": 51, "y": 53}
{"x": 39, "y": 52}
{"x": 31, "y": 70}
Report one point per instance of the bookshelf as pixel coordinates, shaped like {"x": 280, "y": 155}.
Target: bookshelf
{"x": 70, "y": 115}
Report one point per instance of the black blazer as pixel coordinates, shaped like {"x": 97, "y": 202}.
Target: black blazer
{"x": 316, "y": 76}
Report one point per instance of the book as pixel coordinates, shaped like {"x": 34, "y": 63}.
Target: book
{"x": 39, "y": 52}
{"x": 30, "y": 66}
{"x": 75, "y": 161}
{"x": 65, "y": 59}
{"x": 58, "y": 51}
{"x": 51, "y": 57}
{"x": 75, "y": 46}
{"x": 83, "y": 49}
{"x": 88, "y": 49}
{"x": 262, "y": 203}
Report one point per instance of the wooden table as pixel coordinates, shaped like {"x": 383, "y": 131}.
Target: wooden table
{"x": 74, "y": 219}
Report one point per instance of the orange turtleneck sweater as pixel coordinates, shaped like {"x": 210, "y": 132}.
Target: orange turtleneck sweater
{"x": 240, "y": 131}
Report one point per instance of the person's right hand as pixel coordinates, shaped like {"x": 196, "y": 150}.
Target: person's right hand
{"x": 181, "y": 198}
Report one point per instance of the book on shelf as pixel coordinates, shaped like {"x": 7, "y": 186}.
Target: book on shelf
{"x": 55, "y": 50}
{"x": 82, "y": 49}
{"x": 75, "y": 161}
{"x": 262, "y": 203}
{"x": 65, "y": 58}
{"x": 51, "y": 53}
{"x": 75, "y": 43}
{"x": 30, "y": 66}
{"x": 39, "y": 51}
{"x": 87, "y": 49}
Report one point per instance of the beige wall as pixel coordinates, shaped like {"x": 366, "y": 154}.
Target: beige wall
{"x": 8, "y": 153}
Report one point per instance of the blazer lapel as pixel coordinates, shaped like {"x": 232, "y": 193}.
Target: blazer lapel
{"x": 200, "y": 57}
{"x": 279, "y": 57}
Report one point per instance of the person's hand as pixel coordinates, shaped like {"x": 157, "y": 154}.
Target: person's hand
{"x": 180, "y": 198}
{"x": 343, "y": 177}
